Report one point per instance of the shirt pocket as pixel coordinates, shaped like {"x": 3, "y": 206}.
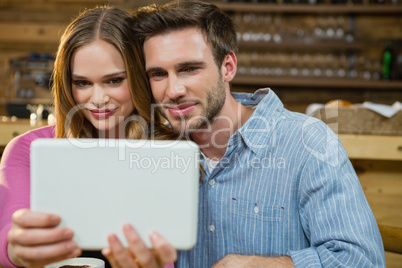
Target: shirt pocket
{"x": 256, "y": 211}
{"x": 256, "y": 227}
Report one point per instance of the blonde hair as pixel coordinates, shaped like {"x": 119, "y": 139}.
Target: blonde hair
{"x": 111, "y": 25}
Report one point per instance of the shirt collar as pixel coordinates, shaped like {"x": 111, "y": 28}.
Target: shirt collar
{"x": 258, "y": 129}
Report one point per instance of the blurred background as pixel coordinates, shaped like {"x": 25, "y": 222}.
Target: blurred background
{"x": 307, "y": 51}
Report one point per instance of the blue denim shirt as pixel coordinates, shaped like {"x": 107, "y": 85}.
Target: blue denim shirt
{"x": 285, "y": 186}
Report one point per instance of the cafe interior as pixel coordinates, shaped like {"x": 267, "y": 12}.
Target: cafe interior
{"x": 337, "y": 60}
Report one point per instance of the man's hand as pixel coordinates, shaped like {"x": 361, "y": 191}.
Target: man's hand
{"x": 241, "y": 261}
{"x": 137, "y": 254}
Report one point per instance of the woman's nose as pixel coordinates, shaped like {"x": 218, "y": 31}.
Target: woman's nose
{"x": 100, "y": 97}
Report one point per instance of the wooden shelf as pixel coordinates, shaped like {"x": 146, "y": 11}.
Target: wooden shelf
{"x": 306, "y": 8}
{"x": 315, "y": 82}
{"x": 322, "y": 46}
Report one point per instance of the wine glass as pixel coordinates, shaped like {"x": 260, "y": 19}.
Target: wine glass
{"x": 267, "y": 21}
{"x": 246, "y": 33}
{"x": 294, "y": 59}
{"x": 238, "y": 22}
{"x": 318, "y": 61}
{"x": 343, "y": 65}
{"x": 319, "y": 28}
{"x": 306, "y": 65}
{"x": 329, "y": 71}
{"x": 330, "y": 28}
{"x": 340, "y": 31}
{"x": 367, "y": 69}
{"x": 376, "y": 70}
{"x": 277, "y": 23}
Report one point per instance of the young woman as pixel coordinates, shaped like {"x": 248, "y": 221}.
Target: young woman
{"x": 100, "y": 91}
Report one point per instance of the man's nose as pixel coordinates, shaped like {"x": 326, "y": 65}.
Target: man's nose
{"x": 176, "y": 88}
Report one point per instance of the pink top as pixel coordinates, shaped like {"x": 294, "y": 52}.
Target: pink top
{"x": 15, "y": 183}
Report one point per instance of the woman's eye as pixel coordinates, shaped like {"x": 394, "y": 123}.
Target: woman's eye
{"x": 116, "y": 81}
{"x": 80, "y": 83}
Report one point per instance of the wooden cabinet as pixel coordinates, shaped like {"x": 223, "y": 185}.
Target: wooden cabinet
{"x": 378, "y": 163}
{"x": 371, "y": 147}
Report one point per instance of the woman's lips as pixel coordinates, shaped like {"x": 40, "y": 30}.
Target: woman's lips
{"x": 102, "y": 113}
{"x": 181, "y": 110}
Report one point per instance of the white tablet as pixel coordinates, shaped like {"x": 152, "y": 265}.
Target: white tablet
{"x": 98, "y": 185}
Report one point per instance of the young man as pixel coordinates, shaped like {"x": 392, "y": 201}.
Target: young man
{"x": 278, "y": 188}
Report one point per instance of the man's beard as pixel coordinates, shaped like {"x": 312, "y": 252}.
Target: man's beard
{"x": 214, "y": 102}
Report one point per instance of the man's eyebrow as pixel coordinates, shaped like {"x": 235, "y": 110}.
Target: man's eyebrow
{"x": 187, "y": 63}
{"x": 154, "y": 69}
{"x": 76, "y": 76}
{"x": 177, "y": 66}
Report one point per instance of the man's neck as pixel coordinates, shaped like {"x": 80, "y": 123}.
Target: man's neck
{"x": 213, "y": 139}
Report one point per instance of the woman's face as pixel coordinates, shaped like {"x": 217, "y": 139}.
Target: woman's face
{"x": 100, "y": 87}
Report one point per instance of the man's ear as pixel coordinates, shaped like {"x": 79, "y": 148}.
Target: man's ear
{"x": 229, "y": 67}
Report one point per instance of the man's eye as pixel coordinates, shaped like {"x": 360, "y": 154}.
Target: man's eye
{"x": 116, "y": 81}
{"x": 157, "y": 74}
{"x": 80, "y": 83}
{"x": 190, "y": 69}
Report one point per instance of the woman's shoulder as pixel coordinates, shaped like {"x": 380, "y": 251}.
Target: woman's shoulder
{"x": 29, "y": 136}
{"x": 43, "y": 132}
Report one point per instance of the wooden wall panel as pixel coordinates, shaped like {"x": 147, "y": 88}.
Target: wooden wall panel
{"x": 14, "y": 32}
{"x": 379, "y": 27}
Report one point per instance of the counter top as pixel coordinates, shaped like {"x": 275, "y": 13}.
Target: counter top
{"x": 357, "y": 146}
{"x": 10, "y": 128}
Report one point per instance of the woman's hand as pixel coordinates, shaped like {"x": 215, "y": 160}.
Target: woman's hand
{"x": 34, "y": 240}
{"x": 138, "y": 254}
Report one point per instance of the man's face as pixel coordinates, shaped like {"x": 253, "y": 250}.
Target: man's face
{"x": 186, "y": 83}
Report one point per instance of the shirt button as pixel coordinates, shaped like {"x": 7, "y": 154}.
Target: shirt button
{"x": 256, "y": 210}
{"x": 211, "y": 228}
{"x": 212, "y": 182}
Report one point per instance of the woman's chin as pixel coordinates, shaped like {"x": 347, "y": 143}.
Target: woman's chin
{"x": 107, "y": 131}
